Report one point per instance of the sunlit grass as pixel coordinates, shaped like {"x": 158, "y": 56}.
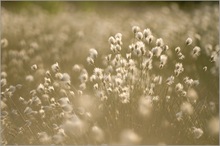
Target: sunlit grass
{"x": 93, "y": 77}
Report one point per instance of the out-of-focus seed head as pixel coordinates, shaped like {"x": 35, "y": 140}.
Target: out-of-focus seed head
{"x": 21, "y": 99}
{"x": 55, "y": 67}
{"x": 196, "y": 51}
{"x": 198, "y": 37}
{"x": 197, "y": 132}
{"x": 208, "y": 49}
{"x": 157, "y": 80}
{"x": 3, "y": 105}
{"x": 118, "y": 35}
{"x": 34, "y": 67}
{"x": 44, "y": 138}
{"x": 195, "y": 82}
{"x": 72, "y": 94}
{"x": 33, "y": 92}
{"x": 111, "y": 40}
{"x": 118, "y": 48}
{"x": 189, "y": 41}
{"x": 47, "y": 80}
{"x": 97, "y": 134}
{"x": 75, "y": 127}
{"x": 64, "y": 101}
{"x": 159, "y": 42}
{"x": 147, "y": 32}
{"x": 168, "y": 98}
{"x": 98, "y": 72}
{"x": 150, "y": 39}
{"x": 139, "y": 35}
{"x": 67, "y": 108}
{"x": 29, "y": 78}
{"x": 58, "y": 138}
{"x": 77, "y": 68}
{"x": 82, "y": 86}
{"x": 96, "y": 86}
{"x": 179, "y": 116}
{"x": 28, "y": 110}
{"x": 213, "y": 126}
{"x": 180, "y": 56}
{"x": 183, "y": 93}
{"x": 156, "y": 51}
{"x": 177, "y": 49}
{"x": 93, "y": 53}
{"x": 4, "y": 43}
{"x": 45, "y": 97}
{"x": 128, "y": 55}
{"x": 214, "y": 57}
{"x": 187, "y": 108}
{"x": 58, "y": 75}
{"x": 165, "y": 47}
{"x": 113, "y": 48}
{"x": 65, "y": 77}
{"x": 192, "y": 95}
{"x": 178, "y": 69}
{"x": 40, "y": 88}
{"x": 80, "y": 92}
{"x": 135, "y": 29}
{"x": 12, "y": 89}
{"x": 36, "y": 101}
{"x": 131, "y": 47}
{"x": 108, "y": 57}
{"x": 3, "y": 74}
{"x": 83, "y": 77}
{"x": 179, "y": 87}
{"x": 163, "y": 59}
{"x": 205, "y": 68}
{"x": 124, "y": 97}
{"x": 145, "y": 106}
{"x": 92, "y": 78}
{"x": 129, "y": 137}
{"x": 3, "y": 82}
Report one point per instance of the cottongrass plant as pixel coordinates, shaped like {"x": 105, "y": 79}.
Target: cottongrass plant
{"x": 148, "y": 87}
{"x": 48, "y": 113}
{"x": 139, "y": 92}
{"x": 137, "y": 89}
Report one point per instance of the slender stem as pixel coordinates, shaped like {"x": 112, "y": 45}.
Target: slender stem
{"x": 17, "y": 110}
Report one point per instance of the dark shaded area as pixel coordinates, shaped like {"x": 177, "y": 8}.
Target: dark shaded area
{"x": 54, "y": 7}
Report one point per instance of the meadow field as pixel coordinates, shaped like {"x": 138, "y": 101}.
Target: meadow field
{"x": 125, "y": 73}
